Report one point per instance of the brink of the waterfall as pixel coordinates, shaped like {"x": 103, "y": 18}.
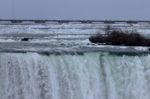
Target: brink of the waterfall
{"x": 55, "y": 59}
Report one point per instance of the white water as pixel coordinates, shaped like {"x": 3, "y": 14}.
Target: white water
{"x": 88, "y": 76}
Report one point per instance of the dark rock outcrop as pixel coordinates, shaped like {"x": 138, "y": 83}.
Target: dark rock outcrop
{"x": 120, "y": 38}
{"x": 25, "y": 39}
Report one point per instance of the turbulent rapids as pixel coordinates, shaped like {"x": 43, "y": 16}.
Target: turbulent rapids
{"x": 58, "y": 62}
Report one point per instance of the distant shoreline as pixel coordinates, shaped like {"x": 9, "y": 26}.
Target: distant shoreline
{"x": 80, "y": 21}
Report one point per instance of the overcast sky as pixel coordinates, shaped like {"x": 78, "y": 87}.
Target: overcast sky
{"x": 76, "y": 9}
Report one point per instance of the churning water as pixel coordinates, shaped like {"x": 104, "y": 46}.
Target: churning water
{"x": 39, "y": 71}
{"x": 88, "y": 76}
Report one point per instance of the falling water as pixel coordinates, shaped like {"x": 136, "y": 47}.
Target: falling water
{"x": 88, "y": 76}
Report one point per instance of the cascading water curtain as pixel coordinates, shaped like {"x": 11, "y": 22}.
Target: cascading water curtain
{"x": 89, "y": 76}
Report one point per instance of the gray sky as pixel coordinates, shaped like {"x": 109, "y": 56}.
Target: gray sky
{"x": 75, "y": 9}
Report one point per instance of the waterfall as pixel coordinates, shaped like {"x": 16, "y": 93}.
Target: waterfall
{"x": 89, "y": 76}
